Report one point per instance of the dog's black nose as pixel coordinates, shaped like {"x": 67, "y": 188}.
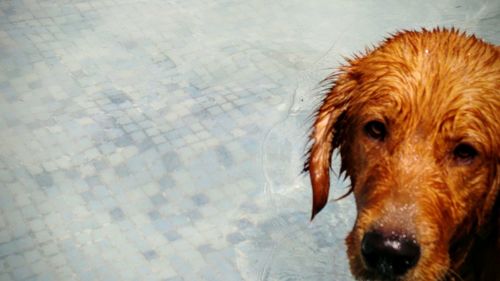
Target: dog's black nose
{"x": 390, "y": 255}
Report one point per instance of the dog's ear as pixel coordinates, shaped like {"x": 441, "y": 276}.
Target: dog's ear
{"x": 327, "y": 134}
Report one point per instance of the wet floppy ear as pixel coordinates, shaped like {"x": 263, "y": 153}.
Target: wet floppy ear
{"x": 327, "y": 135}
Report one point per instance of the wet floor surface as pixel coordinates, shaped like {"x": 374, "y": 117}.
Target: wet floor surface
{"x": 163, "y": 140}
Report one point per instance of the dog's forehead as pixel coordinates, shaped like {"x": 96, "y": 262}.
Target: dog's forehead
{"x": 440, "y": 75}
{"x": 430, "y": 55}
{"x": 432, "y": 83}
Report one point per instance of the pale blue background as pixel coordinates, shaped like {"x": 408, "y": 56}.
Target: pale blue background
{"x": 163, "y": 140}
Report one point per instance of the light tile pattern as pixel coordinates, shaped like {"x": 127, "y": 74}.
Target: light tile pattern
{"x": 162, "y": 140}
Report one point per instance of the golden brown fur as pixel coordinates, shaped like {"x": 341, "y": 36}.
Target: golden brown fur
{"x": 428, "y": 162}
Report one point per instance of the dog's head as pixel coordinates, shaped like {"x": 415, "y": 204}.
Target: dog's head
{"x": 417, "y": 124}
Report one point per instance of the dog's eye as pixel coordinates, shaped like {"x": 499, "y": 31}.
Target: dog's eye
{"x": 464, "y": 152}
{"x": 375, "y": 130}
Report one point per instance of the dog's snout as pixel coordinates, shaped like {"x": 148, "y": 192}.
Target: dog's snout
{"x": 391, "y": 254}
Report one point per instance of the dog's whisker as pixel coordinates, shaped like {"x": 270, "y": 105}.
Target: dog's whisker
{"x": 453, "y": 275}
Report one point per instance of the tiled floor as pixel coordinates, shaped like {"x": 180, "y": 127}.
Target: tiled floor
{"x": 163, "y": 140}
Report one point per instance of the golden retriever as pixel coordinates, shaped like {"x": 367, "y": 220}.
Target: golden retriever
{"x": 417, "y": 124}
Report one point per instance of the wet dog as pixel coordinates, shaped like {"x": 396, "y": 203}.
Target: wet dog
{"x": 417, "y": 124}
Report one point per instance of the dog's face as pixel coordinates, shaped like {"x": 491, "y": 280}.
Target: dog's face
{"x": 417, "y": 122}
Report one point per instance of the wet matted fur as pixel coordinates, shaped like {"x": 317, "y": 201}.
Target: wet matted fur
{"x": 417, "y": 124}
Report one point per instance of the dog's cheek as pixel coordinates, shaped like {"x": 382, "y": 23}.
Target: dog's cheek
{"x": 468, "y": 196}
{"x": 478, "y": 194}
{"x": 435, "y": 229}
{"x": 353, "y": 242}
{"x": 353, "y": 254}
{"x": 434, "y": 264}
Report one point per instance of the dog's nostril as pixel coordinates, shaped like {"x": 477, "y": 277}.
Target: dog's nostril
{"x": 389, "y": 255}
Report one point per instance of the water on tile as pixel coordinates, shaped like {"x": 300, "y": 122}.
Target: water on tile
{"x": 164, "y": 140}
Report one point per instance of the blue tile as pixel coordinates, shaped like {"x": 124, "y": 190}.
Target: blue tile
{"x": 93, "y": 180}
{"x": 7, "y": 249}
{"x": 117, "y": 214}
{"x": 122, "y": 170}
{"x": 15, "y": 261}
{"x": 193, "y": 91}
{"x": 44, "y": 179}
{"x": 171, "y": 161}
{"x": 244, "y": 224}
{"x": 123, "y": 141}
{"x": 154, "y": 215}
{"x": 194, "y": 215}
{"x": 172, "y": 235}
{"x": 224, "y": 156}
{"x": 235, "y": 238}
{"x": 158, "y": 199}
{"x": 205, "y": 248}
{"x": 150, "y": 255}
{"x": 163, "y": 225}
{"x": 87, "y": 196}
{"x": 166, "y": 182}
{"x": 177, "y": 278}
{"x": 22, "y": 273}
{"x": 200, "y": 199}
